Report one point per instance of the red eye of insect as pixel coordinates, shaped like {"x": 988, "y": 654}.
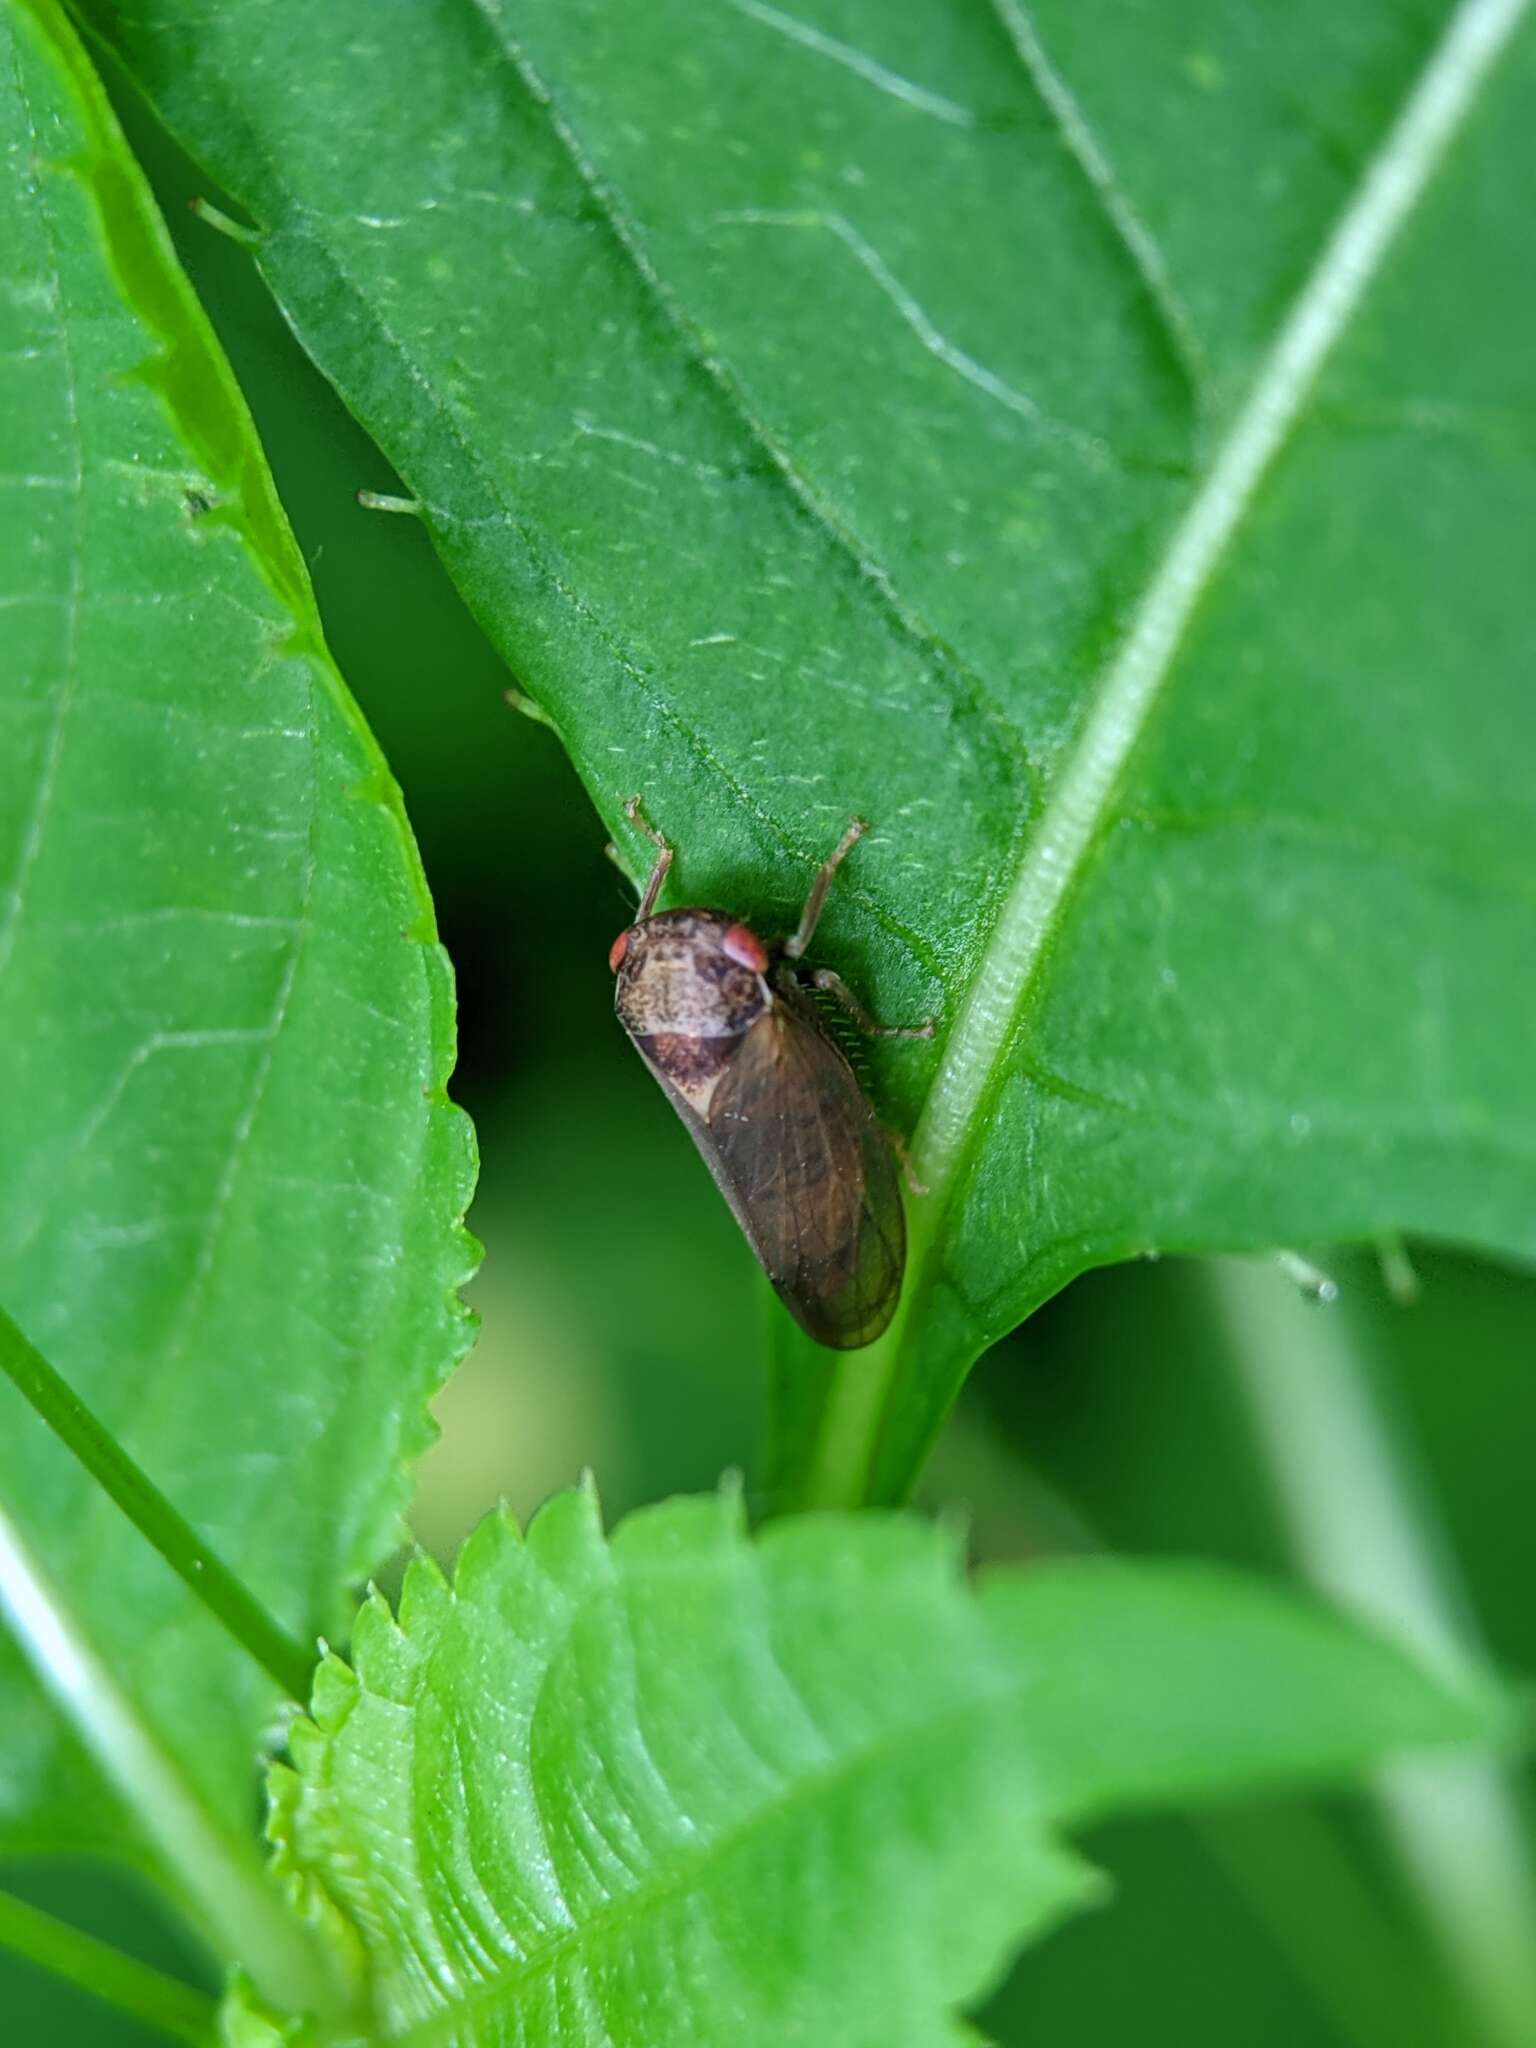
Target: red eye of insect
{"x": 742, "y": 945}
{"x": 617, "y": 951}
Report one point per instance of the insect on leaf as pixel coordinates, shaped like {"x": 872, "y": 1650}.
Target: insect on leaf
{"x": 1091, "y": 444}
{"x": 832, "y": 1241}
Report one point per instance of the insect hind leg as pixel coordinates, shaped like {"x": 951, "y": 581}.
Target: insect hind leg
{"x": 838, "y": 989}
{"x": 903, "y": 1152}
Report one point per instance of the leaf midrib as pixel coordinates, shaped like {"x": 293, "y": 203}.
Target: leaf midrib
{"x": 1052, "y": 859}
{"x": 977, "y": 1052}
{"x": 1127, "y": 690}
{"x": 1123, "y": 697}
{"x": 680, "y": 1873}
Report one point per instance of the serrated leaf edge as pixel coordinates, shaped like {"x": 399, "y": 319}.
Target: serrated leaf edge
{"x": 191, "y": 367}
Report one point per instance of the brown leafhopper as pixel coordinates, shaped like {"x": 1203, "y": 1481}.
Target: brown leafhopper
{"x": 728, "y": 1027}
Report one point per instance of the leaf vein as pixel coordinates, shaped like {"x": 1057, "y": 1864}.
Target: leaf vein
{"x": 1126, "y": 226}
{"x": 962, "y": 681}
{"x": 974, "y": 1064}
{"x": 929, "y": 334}
{"x": 870, "y": 69}
{"x": 467, "y": 464}
{"x": 74, "y": 481}
{"x": 681, "y": 1870}
{"x": 1129, "y": 688}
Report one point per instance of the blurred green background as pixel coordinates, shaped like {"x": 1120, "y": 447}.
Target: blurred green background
{"x": 621, "y": 1318}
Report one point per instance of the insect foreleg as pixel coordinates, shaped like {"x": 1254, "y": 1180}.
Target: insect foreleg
{"x": 795, "y": 946}
{"x": 658, "y": 873}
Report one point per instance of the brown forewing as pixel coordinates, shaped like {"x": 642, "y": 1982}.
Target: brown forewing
{"x": 801, "y": 1158}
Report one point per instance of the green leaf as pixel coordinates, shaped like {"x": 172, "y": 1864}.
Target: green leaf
{"x": 232, "y": 1183}
{"x": 1095, "y": 445}
{"x": 686, "y": 1787}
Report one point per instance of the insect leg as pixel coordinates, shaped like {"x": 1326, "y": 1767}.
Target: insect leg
{"x": 658, "y": 873}
{"x": 899, "y": 1146}
{"x": 837, "y": 988}
{"x": 521, "y": 701}
{"x": 794, "y": 947}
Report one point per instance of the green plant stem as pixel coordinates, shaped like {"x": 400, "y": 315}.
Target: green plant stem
{"x": 1364, "y": 1530}
{"x": 105, "y": 1973}
{"x": 220, "y": 1874}
{"x": 1365, "y": 1968}
{"x": 152, "y": 1514}
{"x": 1362, "y": 1962}
{"x": 840, "y": 1471}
